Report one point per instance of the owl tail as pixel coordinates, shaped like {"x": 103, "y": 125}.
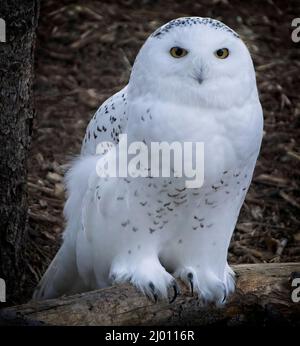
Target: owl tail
{"x": 62, "y": 276}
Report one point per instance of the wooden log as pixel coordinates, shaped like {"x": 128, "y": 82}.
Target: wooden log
{"x": 262, "y": 297}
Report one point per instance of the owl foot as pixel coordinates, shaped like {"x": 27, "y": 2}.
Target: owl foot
{"x": 149, "y": 276}
{"x": 207, "y": 285}
{"x": 188, "y": 276}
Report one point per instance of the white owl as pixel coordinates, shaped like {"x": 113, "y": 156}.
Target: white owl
{"x": 193, "y": 80}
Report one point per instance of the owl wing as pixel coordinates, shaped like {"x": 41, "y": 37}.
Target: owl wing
{"x": 107, "y": 123}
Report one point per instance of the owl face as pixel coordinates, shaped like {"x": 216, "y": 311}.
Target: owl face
{"x": 195, "y": 60}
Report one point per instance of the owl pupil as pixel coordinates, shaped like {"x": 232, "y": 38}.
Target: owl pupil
{"x": 220, "y": 52}
{"x": 179, "y": 51}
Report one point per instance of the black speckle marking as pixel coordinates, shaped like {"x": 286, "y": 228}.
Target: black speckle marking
{"x": 190, "y": 21}
{"x": 216, "y": 188}
{"x": 129, "y": 252}
{"x": 173, "y": 196}
{"x": 125, "y": 223}
{"x": 157, "y": 34}
{"x": 112, "y": 119}
{"x": 197, "y": 218}
{"x": 151, "y": 230}
{"x": 207, "y": 202}
{"x": 180, "y": 241}
{"x": 181, "y": 202}
{"x": 135, "y": 229}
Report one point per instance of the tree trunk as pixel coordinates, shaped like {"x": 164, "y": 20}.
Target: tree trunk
{"x": 16, "y": 115}
{"x": 263, "y": 297}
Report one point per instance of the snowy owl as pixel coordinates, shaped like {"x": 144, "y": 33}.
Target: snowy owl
{"x": 192, "y": 81}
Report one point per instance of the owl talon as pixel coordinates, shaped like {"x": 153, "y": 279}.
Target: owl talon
{"x": 153, "y": 291}
{"x": 225, "y": 295}
{"x": 176, "y": 292}
{"x": 190, "y": 277}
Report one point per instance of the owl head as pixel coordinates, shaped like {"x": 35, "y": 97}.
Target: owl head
{"x": 194, "y": 60}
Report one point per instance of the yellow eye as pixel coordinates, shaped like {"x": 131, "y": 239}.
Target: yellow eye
{"x": 222, "y": 53}
{"x": 178, "y": 52}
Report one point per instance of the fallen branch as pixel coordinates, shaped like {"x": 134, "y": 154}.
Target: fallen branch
{"x": 263, "y": 296}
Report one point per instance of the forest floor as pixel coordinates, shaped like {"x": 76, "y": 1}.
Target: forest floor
{"x": 83, "y": 55}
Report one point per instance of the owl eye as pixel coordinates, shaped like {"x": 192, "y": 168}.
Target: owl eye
{"x": 222, "y": 53}
{"x": 178, "y": 52}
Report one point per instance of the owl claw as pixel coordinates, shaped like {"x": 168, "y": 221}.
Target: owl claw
{"x": 176, "y": 292}
{"x": 225, "y": 294}
{"x": 153, "y": 291}
{"x": 190, "y": 277}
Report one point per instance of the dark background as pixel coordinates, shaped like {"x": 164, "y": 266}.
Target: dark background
{"x": 83, "y": 55}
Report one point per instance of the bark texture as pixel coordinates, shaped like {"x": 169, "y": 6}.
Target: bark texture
{"x": 263, "y": 297}
{"x": 16, "y": 116}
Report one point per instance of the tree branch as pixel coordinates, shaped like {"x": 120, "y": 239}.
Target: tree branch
{"x": 263, "y": 296}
